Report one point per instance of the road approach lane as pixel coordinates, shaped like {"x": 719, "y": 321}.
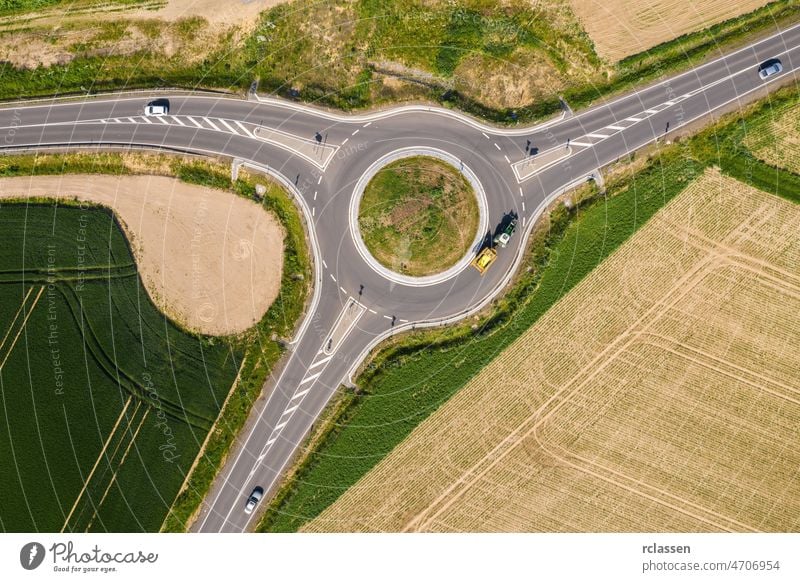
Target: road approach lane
{"x": 320, "y": 157}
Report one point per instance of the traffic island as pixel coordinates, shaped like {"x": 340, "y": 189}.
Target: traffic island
{"x": 418, "y": 216}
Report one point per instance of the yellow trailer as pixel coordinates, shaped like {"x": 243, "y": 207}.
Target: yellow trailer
{"x": 484, "y": 259}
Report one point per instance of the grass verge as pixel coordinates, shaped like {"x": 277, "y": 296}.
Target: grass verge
{"x": 418, "y": 216}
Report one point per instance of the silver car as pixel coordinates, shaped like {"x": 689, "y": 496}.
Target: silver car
{"x": 253, "y": 500}
{"x": 153, "y": 110}
{"x": 770, "y": 68}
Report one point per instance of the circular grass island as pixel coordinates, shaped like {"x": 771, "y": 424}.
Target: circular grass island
{"x": 418, "y": 216}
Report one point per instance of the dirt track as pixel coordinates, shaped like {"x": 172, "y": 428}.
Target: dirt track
{"x": 209, "y": 259}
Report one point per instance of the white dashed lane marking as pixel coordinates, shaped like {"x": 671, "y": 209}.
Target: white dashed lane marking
{"x": 497, "y": 146}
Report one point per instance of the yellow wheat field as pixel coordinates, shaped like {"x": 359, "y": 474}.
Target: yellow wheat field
{"x": 776, "y": 140}
{"x": 620, "y": 28}
{"x": 661, "y": 394}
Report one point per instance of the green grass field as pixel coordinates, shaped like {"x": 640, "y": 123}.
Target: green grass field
{"x": 98, "y": 387}
{"x": 418, "y": 216}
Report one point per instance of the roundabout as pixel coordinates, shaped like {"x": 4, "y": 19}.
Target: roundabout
{"x": 396, "y": 254}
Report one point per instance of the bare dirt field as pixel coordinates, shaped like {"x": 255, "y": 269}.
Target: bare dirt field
{"x": 209, "y": 259}
{"x": 661, "y": 394}
{"x": 184, "y": 29}
{"x": 626, "y": 27}
{"x": 229, "y": 12}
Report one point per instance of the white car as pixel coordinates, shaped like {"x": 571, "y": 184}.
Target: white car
{"x": 770, "y": 68}
{"x": 156, "y": 110}
{"x": 253, "y": 500}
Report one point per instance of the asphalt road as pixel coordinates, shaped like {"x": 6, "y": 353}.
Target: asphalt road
{"x": 370, "y": 305}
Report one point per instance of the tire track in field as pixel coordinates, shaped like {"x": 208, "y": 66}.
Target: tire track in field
{"x": 499, "y": 452}
{"x": 119, "y": 466}
{"x": 109, "y": 459}
{"x": 530, "y": 426}
{"x": 22, "y": 327}
{"x": 96, "y": 463}
{"x": 16, "y": 316}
